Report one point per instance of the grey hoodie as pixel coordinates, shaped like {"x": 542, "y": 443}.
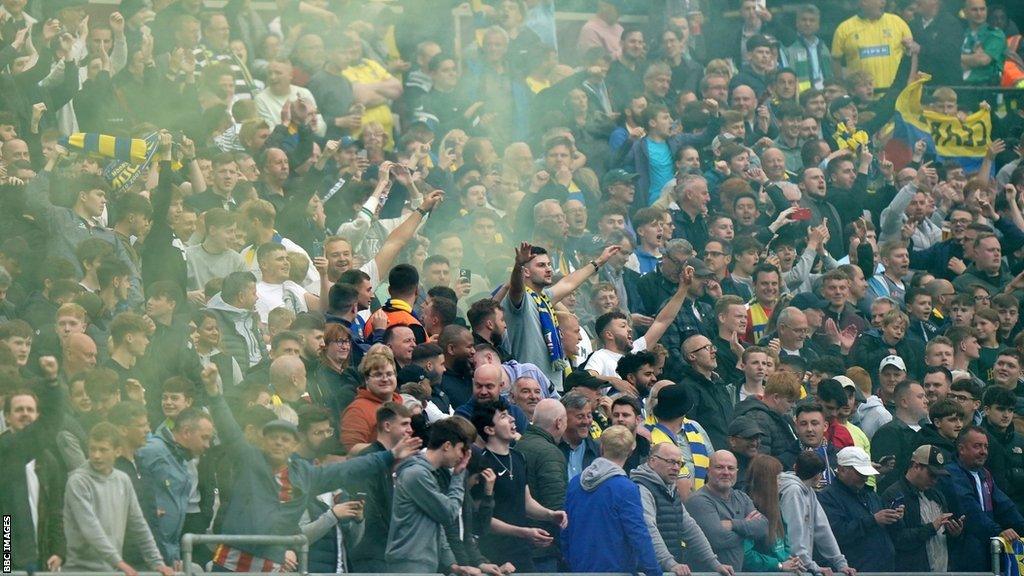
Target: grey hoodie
{"x": 698, "y": 549}
{"x": 419, "y": 512}
{"x": 245, "y": 327}
{"x": 871, "y": 415}
{"x": 807, "y": 527}
{"x": 599, "y": 470}
{"x": 99, "y": 512}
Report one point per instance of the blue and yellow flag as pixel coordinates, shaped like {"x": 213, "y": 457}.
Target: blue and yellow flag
{"x": 129, "y": 156}
{"x": 1012, "y": 558}
{"x": 949, "y": 138}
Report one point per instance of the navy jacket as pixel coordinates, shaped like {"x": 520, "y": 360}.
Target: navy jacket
{"x": 865, "y": 544}
{"x": 998, "y": 514}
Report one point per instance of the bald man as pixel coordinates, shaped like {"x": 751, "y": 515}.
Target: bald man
{"x": 288, "y": 382}
{"x": 726, "y": 515}
{"x": 14, "y": 151}
{"x": 487, "y": 381}
{"x": 546, "y": 467}
{"x": 79, "y": 354}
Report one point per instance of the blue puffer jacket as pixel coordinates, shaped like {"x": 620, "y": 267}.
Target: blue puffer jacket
{"x": 255, "y": 507}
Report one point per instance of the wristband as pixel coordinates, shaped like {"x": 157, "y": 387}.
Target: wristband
{"x": 423, "y": 212}
{"x": 597, "y": 267}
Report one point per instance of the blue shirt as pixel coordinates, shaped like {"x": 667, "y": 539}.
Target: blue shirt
{"x": 575, "y": 460}
{"x": 648, "y": 262}
{"x": 660, "y": 167}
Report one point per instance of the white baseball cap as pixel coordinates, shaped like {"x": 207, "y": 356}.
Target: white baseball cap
{"x": 892, "y": 360}
{"x": 856, "y": 458}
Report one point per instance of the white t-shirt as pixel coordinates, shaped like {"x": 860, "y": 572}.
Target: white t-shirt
{"x": 288, "y": 295}
{"x": 604, "y": 361}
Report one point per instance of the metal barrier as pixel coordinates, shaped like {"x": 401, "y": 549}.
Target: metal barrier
{"x": 297, "y": 541}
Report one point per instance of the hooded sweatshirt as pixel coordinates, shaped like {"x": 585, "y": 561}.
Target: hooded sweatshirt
{"x": 871, "y": 415}
{"x": 807, "y": 527}
{"x": 608, "y": 532}
{"x": 99, "y": 511}
{"x": 698, "y": 550}
{"x": 242, "y": 339}
{"x": 419, "y": 512}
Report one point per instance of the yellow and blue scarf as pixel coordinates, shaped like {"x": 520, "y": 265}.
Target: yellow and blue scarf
{"x": 548, "y": 326}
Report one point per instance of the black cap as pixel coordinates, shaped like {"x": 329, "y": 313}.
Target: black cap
{"x": 840, "y": 103}
{"x": 616, "y": 176}
{"x": 412, "y": 373}
{"x": 760, "y": 41}
{"x": 583, "y": 379}
{"x": 700, "y": 269}
{"x": 745, "y": 428}
{"x": 591, "y": 245}
{"x": 807, "y": 301}
{"x": 673, "y": 402}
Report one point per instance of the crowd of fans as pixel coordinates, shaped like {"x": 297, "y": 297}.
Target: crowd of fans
{"x": 528, "y": 294}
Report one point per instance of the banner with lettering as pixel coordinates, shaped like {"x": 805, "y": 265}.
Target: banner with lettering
{"x": 948, "y": 137}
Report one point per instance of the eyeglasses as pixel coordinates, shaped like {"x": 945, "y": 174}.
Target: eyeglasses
{"x": 676, "y": 463}
{"x": 982, "y": 298}
{"x": 710, "y": 254}
{"x": 960, "y": 397}
{"x": 705, "y": 347}
{"x": 325, "y": 433}
{"x": 342, "y": 343}
{"x": 804, "y": 330}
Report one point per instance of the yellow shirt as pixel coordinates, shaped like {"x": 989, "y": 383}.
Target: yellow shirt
{"x": 369, "y": 72}
{"x": 874, "y": 46}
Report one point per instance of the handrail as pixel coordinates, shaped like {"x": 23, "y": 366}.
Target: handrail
{"x": 297, "y": 540}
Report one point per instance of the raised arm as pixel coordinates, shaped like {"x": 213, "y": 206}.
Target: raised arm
{"x": 401, "y": 235}
{"x": 568, "y": 284}
{"x": 668, "y": 313}
{"x": 516, "y": 286}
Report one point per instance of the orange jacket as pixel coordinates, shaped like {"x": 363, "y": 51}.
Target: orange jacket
{"x": 359, "y": 420}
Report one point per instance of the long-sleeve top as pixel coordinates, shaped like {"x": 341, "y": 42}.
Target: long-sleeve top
{"x": 927, "y": 233}
{"x": 709, "y": 510}
{"x": 101, "y": 513}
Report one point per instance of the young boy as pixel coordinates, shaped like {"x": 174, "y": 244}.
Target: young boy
{"x": 1008, "y": 309}
{"x": 961, "y": 310}
{"x": 986, "y": 323}
{"x": 919, "y": 308}
{"x": 1005, "y": 445}
{"x": 946, "y": 421}
{"x": 178, "y": 394}
{"x": 101, "y": 509}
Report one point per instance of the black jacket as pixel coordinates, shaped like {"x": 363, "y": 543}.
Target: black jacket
{"x": 940, "y": 47}
{"x": 910, "y": 533}
{"x": 713, "y": 404}
{"x": 1006, "y": 461}
{"x": 897, "y": 439}
{"x": 779, "y": 439}
{"x": 930, "y": 435}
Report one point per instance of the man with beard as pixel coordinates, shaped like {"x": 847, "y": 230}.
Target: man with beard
{"x": 946, "y": 259}
{"x": 616, "y": 333}
{"x": 638, "y": 369}
{"x": 487, "y": 320}
{"x": 428, "y": 364}
{"x": 457, "y": 380}
{"x": 530, "y": 308}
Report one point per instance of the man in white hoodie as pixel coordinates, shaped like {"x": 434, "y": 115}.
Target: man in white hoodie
{"x": 807, "y": 526}
{"x": 101, "y": 510}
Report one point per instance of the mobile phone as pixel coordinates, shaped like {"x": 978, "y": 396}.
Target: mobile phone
{"x": 896, "y": 502}
{"x": 464, "y": 275}
{"x": 361, "y": 496}
{"x": 801, "y": 214}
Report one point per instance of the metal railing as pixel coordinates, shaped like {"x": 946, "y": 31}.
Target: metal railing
{"x": 297, "y": 542}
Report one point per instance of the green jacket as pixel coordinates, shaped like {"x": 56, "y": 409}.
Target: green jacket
{"x": 546, "y": 467}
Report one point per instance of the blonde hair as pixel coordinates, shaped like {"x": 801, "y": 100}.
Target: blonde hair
{"x": 617, "y": 443}
{"x": 379, "y": 356}
{"x": 73, "y": 310}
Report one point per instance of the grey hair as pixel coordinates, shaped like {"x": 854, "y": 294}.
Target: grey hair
{"x": 575, "y": 400}
{"x": 786, "y": 315}
{"x": 885, "y": 299}
{"x": 540, "y": 207}
{"x": 809, "y": 9}
{"x": 680, "y": 246}
{"x": 499, "y": 31}
{"x": 686, "y": 180}
{"x": 657, "y": 69}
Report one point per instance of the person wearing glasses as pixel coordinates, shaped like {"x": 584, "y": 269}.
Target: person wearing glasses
{"x": 712, "y": 398}
{"x": 672, "y": 529}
